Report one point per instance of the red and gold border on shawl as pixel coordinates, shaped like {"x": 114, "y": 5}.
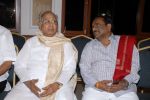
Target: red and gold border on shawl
{"x": 128, "y": 43}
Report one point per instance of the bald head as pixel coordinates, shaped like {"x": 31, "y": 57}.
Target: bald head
{"x": 46, "y": 13}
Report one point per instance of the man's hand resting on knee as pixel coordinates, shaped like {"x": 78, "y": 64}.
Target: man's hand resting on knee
{"x": 50, "y": 89}
{"x": 31, "y": 85}
{"x": 108, "y": 86}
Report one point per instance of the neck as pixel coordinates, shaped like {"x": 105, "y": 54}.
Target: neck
{"x": 104, "y": 40}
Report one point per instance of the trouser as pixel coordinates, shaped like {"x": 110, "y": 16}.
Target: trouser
{"x": 93, "y": 94}
{"x": 22, "y": 92}
{"x": 2, "y": 85}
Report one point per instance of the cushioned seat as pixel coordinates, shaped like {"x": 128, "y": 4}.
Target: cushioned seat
{"x": 19, "y": 40}
{"x": 144, "y": 82}
{"x": 79, "y": 42}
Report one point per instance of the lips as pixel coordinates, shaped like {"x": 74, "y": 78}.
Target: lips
{"x": 95, "y": 31}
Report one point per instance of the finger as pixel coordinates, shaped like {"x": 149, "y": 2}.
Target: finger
{"x": 34, "y": 87}
{"x": 108, "y": 89}
{"x": 118, "y": 86}
{"x": 114, "y": 89}
{"x": 46, "y": 88}
{"x": 35, "y": 80}
{"x": 43, "y": 93}
{"x": 35, "y": 92}
{"x": 46, "y": 93}
{"x": 114, "y": 86}
{"x": 37, "y": 89}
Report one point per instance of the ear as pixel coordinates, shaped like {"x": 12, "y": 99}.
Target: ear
{"x": 109, "y": 26}
{"x": 40, "y": 25}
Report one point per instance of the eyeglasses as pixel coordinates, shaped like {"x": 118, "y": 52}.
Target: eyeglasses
{"x": 101, "y": 26}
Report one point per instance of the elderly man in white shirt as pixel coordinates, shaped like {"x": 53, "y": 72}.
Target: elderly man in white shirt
{"x": 7, "y": 56}
{"x": 45, "y": 65}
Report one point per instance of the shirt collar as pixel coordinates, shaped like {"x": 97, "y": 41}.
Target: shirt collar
{"x": 112, "y": 37}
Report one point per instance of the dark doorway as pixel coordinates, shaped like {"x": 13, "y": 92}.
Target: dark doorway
{"x": 123, "y": 13}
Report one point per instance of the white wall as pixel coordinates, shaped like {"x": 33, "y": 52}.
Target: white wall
{"x": 26, "y": 10}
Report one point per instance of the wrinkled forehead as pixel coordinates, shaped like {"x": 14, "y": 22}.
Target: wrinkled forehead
{"x": 49, "y": 16}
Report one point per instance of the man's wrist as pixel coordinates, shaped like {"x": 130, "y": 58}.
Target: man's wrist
{"x": 126, "y": 83}
{"x": 59, "y": 84}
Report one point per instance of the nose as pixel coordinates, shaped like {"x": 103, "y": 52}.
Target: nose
{"x": 94, "y": 28}
{"x": 50, "y": 25}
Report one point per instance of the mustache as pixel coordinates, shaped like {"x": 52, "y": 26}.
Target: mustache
{"x": 96, "y": 31}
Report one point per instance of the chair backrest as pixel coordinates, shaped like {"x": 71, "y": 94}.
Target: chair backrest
{"x": 144, "y": 52}
{"x": 19, "y": 40}
{"x": 80, "y": 41}
{"x": 12, "y": 76}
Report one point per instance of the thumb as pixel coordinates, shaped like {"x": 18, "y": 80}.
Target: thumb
{"x": 45, "y": 88}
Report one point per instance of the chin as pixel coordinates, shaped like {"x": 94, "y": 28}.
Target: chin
{"x": 49, "y": 34}
{"x": 97, "y": 36}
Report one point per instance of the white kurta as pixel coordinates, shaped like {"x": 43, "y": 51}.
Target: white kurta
{"x": 7, "y": 51}
{"x": 32, "y": 63}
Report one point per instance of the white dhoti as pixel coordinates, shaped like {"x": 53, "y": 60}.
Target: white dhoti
{"x": 21, "y": 92}
{"x": 93, "y": 94}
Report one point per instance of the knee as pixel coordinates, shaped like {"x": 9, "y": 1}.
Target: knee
{"x": 65, "y": 93}
{"x": 88, "y": 94}
{"x": 129, "y": 96}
